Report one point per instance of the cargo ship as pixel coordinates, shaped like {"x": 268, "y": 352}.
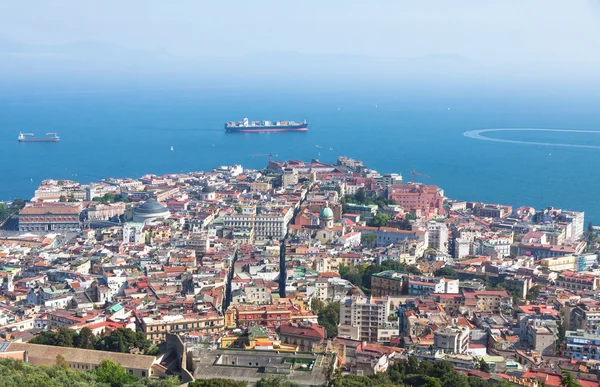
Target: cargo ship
{"x": 29, "y": 137}
{"x": 246, "y": 126}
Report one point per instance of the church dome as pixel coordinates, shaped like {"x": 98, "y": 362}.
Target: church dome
{"x": 150, "y": 211}
{"x": 151, "y": 206}
{"x": 208, "y": 189}
{"x": 326, "y": 213}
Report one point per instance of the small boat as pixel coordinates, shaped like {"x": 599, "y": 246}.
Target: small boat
{"x": 330, "y": 148}
{"x": 172, "y": 149}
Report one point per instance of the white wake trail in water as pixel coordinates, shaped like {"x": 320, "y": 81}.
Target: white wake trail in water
{"x": 477, "y": 134}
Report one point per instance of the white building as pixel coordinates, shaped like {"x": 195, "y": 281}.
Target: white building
{"x": 266, "y": 225}
{"x": 438, "y": 236}
{"x": 452, "y": 339}
{"x": 362, "y": 317}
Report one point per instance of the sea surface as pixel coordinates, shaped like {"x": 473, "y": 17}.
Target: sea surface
{"x": 129, "y": 132}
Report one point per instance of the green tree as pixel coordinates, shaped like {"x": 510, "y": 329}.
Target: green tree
{"x": 533, "y": 293}
{"x": 18, "y": 203}
{"x": 329, "y": 317}
{"x": 62, "y": 198}
{"x": 317, "y": 305}
{"x": 72, "y": 200}
{"x": 379, "y": 220}
{"x": 85, "y": 339}
{"x": 368, "y": 239}
{"x": 113, "y": 374}
{"x": 475, "y": 381}
{"x": 217, "y": 382}
{"x": 483, "y": 366}
{"x": 61, "y": 362}
{"x": 567, "y": 380}
{"x": 446, "y": 272}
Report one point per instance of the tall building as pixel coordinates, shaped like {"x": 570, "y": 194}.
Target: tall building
{"x": 361, "y": 317}
{"x": 290, "y": 177}
{"x": 452, "y": 339}
{"x": 438, "y": 236}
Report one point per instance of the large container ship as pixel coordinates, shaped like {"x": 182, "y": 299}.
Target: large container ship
{"x": 265, "y": 126}
{"x": 29, "y": 137}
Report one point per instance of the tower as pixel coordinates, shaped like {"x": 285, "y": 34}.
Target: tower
{"x": 8, "y": 285}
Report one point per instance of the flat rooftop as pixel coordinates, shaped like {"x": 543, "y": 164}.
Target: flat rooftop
{"x": 252, "y": 365}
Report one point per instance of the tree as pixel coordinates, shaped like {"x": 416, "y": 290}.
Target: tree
{"x": 446, "y": 272}
{"x": 379, "y": 220}
{"x": 317, "y": 305}
{"x": 72, "y": 200}
{"x": 217, "y": 382}
{"x": 85, "y": 339}
{"x": 329, "y": 317}
{"x": 589, "y": 236}
{"x": 18, "y": 203}
{"x": 62, "y": 199}
{"x": 533, "y": 293}
{"x": 368, "y": 239}
{"x": 61, "y": 362}
{"x": 567, "y": 380}
{"x": 483, "y": 366}
{"x": 113, "y": 374}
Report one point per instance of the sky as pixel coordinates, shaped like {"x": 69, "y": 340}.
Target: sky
{"x": 555, "y": 37}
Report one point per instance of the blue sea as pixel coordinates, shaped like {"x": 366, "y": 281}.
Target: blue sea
{"x": 129, "y": 132}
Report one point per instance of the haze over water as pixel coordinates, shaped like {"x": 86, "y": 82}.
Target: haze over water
{"x": 124, "y": 132}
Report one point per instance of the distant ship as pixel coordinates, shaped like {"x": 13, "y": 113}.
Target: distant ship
{"x": 28, "y": 137}
{"x": 266, "y": 126}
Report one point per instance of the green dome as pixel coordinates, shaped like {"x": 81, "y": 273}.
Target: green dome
{"x": 326, "y": 213}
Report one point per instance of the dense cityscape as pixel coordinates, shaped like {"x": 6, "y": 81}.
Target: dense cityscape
{"x": 303, "y": 273}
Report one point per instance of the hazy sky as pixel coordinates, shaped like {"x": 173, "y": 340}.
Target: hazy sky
{"x": 505, "y": 33}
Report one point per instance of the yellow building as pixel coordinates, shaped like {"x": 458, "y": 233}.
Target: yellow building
{"x": 567, "y": 262}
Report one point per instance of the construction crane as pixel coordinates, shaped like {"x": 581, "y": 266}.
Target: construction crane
{"x": 414, "y": 173}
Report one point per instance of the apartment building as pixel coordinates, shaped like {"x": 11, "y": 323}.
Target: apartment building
{"x": 362, "y": 317}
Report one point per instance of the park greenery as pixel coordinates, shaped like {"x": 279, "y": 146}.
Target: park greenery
{"x": 122, "y": 340}
{"x": 16, "y": 373}
{"x": 8, "y": 211}
{"x": 361, "y": 275}
{"x": 361, "y": 197}
{"x": 110, "y": 197}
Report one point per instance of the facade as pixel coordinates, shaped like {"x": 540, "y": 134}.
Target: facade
{"x": 266, "y": 225}
{"x": 363, "y": 316}
{"x": 50, "y": 217}
{"x": 452, "y": 339}
{"x": 140, "y": 366}
{"x": 438, "y": 236}
{"x": 385, "y": 236}
{"x": 567, "y": 262}
{"x": 156, "y": 328}
{"x": 105, "y": 211}
{"x": 578, "y": 281}
{"x": 419, "y": 285}
{"x": 582, "y": 346}
{"x": 418, "y": 197}
{"x": 304, "y": 335}
{"x": 290, "y": 177}
{"x": 387, "y": 283}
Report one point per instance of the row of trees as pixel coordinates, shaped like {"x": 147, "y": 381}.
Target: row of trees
{"x": 7, "y": 211}
{"x": 122, "y": 340}
{"x": 16, "y": 373}
{"x": 361, "y": 276}
{"x": 110, "y": 197}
